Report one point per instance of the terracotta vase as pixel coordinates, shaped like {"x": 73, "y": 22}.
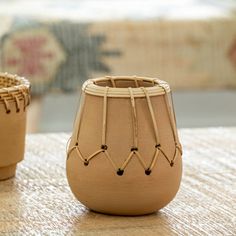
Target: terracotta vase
{"x": 14, "y": 98}
{"x": 124, "y": 155}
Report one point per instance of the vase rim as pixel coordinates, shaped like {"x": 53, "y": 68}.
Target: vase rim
{"x": 153, "y": 86}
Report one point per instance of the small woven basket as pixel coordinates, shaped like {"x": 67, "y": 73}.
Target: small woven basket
{"x": 14, "y": 98}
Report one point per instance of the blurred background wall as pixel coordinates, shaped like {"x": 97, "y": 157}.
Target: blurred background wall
{"x": 57, "y": 45}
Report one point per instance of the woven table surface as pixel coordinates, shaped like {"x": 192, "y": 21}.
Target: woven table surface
{"x": 38, "y": 200}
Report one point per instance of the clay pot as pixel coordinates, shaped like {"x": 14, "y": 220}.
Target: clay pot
{"x": 124, "y": 156}
{"x": 14, "y": 98}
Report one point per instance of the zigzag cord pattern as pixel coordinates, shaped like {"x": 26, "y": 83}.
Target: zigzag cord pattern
{"x": 134, "y": 149}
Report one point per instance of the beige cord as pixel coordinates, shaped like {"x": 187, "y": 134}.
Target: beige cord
{"x": 126, "y": 162}
{"x": 134, "y": 150}
{"x": 6, "y": 104}
{"x": 158, "y": 145}
{"x": 110, "y": 159}
{"x": 94, "y": 154}
{"x": 17, "y": 102}
{"x": 80, "y": 115}
{"x": 172, "y": 120}
{"x": 104, "y": 120}
{"x": 154, "y": 160}
{"x": 136, "y": 81}
{"x": 150, "y": 107}
{"x": 169, "y": 115}
{"x": 113, "y": 82}
{"x": 24, "y": 98}
{"x": 134, "y": 119}
{"x": 140, "y": 160}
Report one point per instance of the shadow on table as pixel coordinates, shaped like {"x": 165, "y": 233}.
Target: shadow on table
{"x": 90, "y": 223}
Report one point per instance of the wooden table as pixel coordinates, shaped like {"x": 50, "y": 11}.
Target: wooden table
{"x": 39, "y": 201}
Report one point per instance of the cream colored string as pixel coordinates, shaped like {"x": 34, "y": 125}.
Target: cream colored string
{"x": 104, "y": 132}
{"x": 113, "y": 82}
{"x": 81, "y": 112}
{"x": 17, "y": 102}
{"x": 152, "y": 115}
{"x": 134, "y": 149}
{"x": 104, "y": 147}
{"x": 16, "y": 99}
{"x": 104, "y": 129}
{"x": 158, "y": 145}
{"x": 177, "y": 143}
{"x": 24, "y": 98}
{"x": 173, "y": 125}
{"x": 172, "y": 122}
{"x": 104, "y": 120}
{"x": 6, "y": 103}
{"x": 80, "y": 115}
{"x": 136, "y": 81}
{"x": 134, "y": 119}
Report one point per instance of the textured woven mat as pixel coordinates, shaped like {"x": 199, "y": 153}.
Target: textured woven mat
{"x": 39, "y": 201}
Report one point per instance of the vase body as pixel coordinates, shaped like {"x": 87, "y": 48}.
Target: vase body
{"x": 14, "y": 98}
{"x": 124, "y": 155}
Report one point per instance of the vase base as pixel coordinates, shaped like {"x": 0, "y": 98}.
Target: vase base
{"x": 7, "y": 172}
{"x": 111, "y": 213}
